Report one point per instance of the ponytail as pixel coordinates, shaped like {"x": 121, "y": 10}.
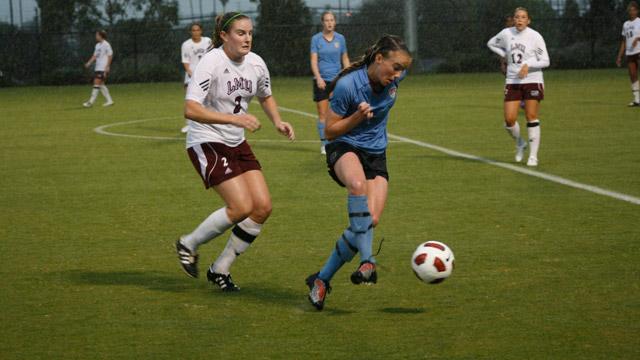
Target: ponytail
{"x": 223, "y": 23}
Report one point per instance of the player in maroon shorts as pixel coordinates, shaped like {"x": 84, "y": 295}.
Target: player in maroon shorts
{"x": 630, "y": 45}
{"x": 217, "y": 100}
{"x": 526, "y": 55}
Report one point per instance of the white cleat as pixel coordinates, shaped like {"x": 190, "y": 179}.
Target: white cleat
{"x": 532, "y": 161}
{"x": 323, "y": 151}
{"x": 108, "y": 103}
{"x": 87, "y": 104}
{"x": 184, "y": 129}
{"x": 521, "y": 145}
{"x": 633, "y": 104}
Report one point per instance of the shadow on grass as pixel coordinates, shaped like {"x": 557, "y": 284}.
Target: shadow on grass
{"x": 152, "y": 280}
{"x": 401, "y": 310}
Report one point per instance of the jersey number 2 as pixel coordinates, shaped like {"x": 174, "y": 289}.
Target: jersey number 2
{"x": 238, "y": 107}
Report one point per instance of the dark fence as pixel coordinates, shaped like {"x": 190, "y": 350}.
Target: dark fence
{"x": 154, "y": 55}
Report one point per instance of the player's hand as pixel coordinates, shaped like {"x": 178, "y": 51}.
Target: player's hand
{"x": 635, "y": 42}
{"x": 86, "y": 65}
{"x": 320, "y": 83}
{"x": 523, "y": 71}
{"x": 248, "y": 122}
{"x": 364, "y": 110}
{"x": 619, "y": 61}
{"x": 286, "y": 129}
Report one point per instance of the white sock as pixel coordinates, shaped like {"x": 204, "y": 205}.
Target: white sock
{"x": 533, "y": 130}
{"x": 514, "y": 131}
{"x": 105, "y": 93}
{"x": 214, "y": 225}
{"x": 240, "y": 239}
{"x": 94, "y": 94}
{"x": 635, "y": 89}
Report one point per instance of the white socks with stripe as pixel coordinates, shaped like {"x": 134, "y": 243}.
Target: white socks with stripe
{"x": 105, "y": 93}
{"x": 635, "y": 89}
{"x": 514, "y": 131}
{"x": 240, "y": 239}
{"x": 533, "y": 130}
{"x": 214, "y": 225}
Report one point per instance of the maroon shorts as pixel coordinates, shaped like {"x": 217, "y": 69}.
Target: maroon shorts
{"x": 99, "y": 75}
{"x": 633, "y": 58}
{"x": 517, "y": 92}
{"x": 217, "y": 162}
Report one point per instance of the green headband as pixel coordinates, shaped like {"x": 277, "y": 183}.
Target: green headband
{"x": 230, "y": 20}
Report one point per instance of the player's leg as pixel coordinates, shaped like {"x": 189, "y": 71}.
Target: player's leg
{"x": 185, "y": 128}
{"x": 632, "y": 64}
{"x": 511, "y": 108}
{"x": 105, "y": 91}
{"x": 534, "y": 94}
{"x": 322, "y": 107}
{"x": 97, "y": 82}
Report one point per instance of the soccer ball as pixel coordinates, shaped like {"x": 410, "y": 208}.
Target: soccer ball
{"x": 432, "y": 262}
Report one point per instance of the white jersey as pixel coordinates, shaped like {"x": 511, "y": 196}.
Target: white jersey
{"x": 192, "y": 52}
{"x": 631, "y": 31}
{"x": 102, "y": 52}
{"x": 520, "y": 48}
{"x": 224, "y": 86}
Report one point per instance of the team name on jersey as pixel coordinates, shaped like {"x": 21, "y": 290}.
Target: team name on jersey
{"x": 239, "y": 84}
{"x": 518, "y": 46}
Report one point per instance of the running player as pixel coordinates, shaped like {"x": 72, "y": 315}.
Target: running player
{"x": 356, "y": 127}
{"x": 217, "y": 100}
{"x": 630, "y": 45}
{"x": 102, "y": 55}
{"x": 328, "y": 57}
{"x": 526, "y": 54}
{"x": 192, "y": 50}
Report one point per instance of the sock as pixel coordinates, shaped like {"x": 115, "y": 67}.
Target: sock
{"x": 360, "y": 222}
{"x": 214, "y": 225}
{"x": 320, "y": 126}
{"x": 94, "y": 94}
{"x": 105, "y": 93}
{"x": 514, "y": 131}
{"x": 343, "y": 252}
{"x": 635, "y": 89}
{"x": 240, "y": 239}
{"x": 533, "y": 129}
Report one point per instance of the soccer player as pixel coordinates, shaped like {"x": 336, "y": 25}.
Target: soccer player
{"x": 526, "y": 55}
{"x": 356, "y": 127}
{"x": 630, "y": 45}
{"x": 102, "y": 55}
{"x": 217, "y": 101}
{"x": 192, "y": 50}
{"x": 328, "y": 57}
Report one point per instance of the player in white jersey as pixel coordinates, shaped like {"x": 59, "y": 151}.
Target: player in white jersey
{"x": 217, "y": 100}
{"x": 526, "y": 55}
{"x": 630, "y": 45}
{"x": 192, "y": 51}
{"x": 102, "y": 55}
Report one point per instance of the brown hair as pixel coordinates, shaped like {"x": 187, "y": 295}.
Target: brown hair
{"x": 224, "y": 23}
{"x": 327, "y": 12}
{"x": 102, "y": 33}
{"x": 383, "y": 46}
{"x": 195, "y": 23}
{"x": 633, "y": 4}
{"x": 520, "y": 8}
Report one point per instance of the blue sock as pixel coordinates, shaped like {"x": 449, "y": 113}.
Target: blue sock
{"x": 361, "y": 225}
{"x": 342, "y": 253}
{"x": 320, "y": 126}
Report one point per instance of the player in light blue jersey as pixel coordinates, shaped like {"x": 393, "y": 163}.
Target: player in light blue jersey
{"x": 328, "y": 57}
{"x": 363, "y": 95}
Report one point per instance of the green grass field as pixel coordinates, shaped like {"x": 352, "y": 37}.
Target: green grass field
{"x": 543, "y": 271}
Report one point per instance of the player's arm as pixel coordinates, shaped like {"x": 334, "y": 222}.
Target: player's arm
{"x": 316, "y": 71}
{"x": 345, "y": 60}
{"x": 270, "y": 108}
{"x": 108, "y": 67}
{"x": 194, "y": 110}
{"x": 495, "y": 45}
{"x": 621, "y": 50}
{"x": 90, "y": 61}
{"x": 337, "y": 125}
{"x": 186, "y": 60}
{"x": 187, "y": 68}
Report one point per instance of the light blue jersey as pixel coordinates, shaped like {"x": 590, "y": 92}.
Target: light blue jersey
{"x": 352, "y": 89}
{"x": 329, "y": 54}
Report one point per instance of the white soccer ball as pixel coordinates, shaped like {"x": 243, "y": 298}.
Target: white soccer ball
{"x": 432, "y": 262}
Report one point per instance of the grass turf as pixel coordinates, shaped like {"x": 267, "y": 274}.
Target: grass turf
{"x": 88, "y": 223}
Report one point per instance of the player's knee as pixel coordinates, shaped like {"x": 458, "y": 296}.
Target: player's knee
{"x": 509, "y": 122}
{"x": 357, "y": 186}
{"x": 240, "y": 211}
{"x": 261, "y": 211}
{"x": 531, "y": 115}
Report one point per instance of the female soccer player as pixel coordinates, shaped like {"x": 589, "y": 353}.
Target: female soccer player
{"x": 631, "y": 45}
{"x": 356, "y": 154}
{"x": 526, "y": 55}
{"x": 192, "y": 51}
{"x": 217, "y": 100}
{"x": 328, "y": 56}
{"x": 102, "y": 55}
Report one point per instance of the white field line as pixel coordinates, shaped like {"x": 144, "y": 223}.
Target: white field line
{"x": 512, "y": 167}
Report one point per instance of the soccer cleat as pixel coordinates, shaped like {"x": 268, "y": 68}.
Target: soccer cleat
{"x": 633, "y": 104}
{"x": 224, "y": 282}
{"x": 532, "y": 161}
{"x": 108, "y": 103}
{"x": 366, "y": 274}
{"x": 318, "y": 290}
{"x": 87, "y": 104}
{"x": 323, "y": 151}
{"x": 521, "y": 145}
{"x": 188, "y": 259}
{"x": 184, "y": 129}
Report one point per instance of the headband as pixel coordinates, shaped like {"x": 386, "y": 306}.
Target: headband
{"x": 231, "y": 19}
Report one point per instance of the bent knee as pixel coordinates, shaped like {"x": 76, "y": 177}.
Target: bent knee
{"x": 357, "y": 186}
{"x": 261, "y": 211}
{"x": 240, "y": 211}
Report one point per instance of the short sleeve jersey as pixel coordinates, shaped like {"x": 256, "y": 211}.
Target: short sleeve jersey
{"x": 225, "y": 86}
{"x": 193, "y": 51}
{"x": 631, "y": 31}
{"x": 102, "y": 52}
{"x": 520, "y": 48}
{"x": 352, "y": 89}
{"x": 329, "y": 54}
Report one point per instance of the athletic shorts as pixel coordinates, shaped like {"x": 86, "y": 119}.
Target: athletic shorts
{"x": 319, "y": 94}
{"x": 99, "y": 75}
{"x": 516, "y": 92}
{"x": 633, "y": 58}
{"x": 372, "y": 164}
{"x": 217, "y": 162}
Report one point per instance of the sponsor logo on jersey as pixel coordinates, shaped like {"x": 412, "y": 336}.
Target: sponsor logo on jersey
{"x": 239, "y": 84}
{"x": 535, "y": 92}
{"x": 518, "y": 46}
{"x": 226, "y": 71}
{"x": 336, "y": 45}
{"x": 392, "y": 92}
